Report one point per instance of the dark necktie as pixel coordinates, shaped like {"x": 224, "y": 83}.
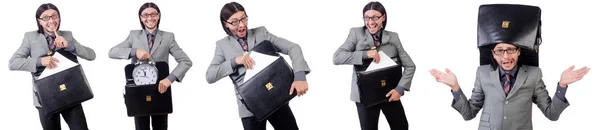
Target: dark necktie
{"x": 243, "y": 44}
{"x": 507, "y": 84}
{"x": 150, "y": 41}
{"x": 376, "y": 39}
{"x": 51, "y": 40}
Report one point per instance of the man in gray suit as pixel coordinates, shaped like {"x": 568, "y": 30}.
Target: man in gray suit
{"x": 34, "y": 55}
{"x": 357, "y": 50}
{"x": 506, "y": 87}
{"x": 230, "y": 60}
{"x": 154, "y": 44}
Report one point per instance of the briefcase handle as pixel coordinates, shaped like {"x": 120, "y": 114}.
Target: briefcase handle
{"x": 147, "y": 61}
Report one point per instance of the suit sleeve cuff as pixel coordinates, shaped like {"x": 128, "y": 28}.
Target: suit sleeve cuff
{"x": 233, "y": 64}
{"x": 132, "y": 53}
{"x": 300, "y": 76}
{"x": 364, "y": 56}
{"x": 560, "y": 93}
{"x": 400, "y": 90}
{"x": 70, "y": 48}
{"x": 456, "y": 95}
{"x": 172, "y": 78}
{"x": 39, "y": 62}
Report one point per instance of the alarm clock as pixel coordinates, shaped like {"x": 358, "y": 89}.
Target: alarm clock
{"x": 145, "y": 73}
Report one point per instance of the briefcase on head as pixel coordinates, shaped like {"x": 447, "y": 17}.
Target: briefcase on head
{"x": 374, "y": 85}
{"x": 145, "y": 100}
{"x": 519, "y": 25}
{"x": 64, "y": 89}
{"x": 269, "y": 89}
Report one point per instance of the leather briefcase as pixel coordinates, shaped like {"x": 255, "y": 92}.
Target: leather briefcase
{"x": 519, "y": 25}
{"x": 63, "y": 90}
{"x": 145, "y": 100}
{"x": 374, "y": 85}
{"x": 268, "y": 90}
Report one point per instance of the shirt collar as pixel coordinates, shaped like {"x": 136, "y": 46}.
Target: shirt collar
{"x": 378, "y": 33}
{"x": 153, "y": 33}
{"x": 512, "y": 72}
{"x": 238, "y": 38}
{"x": 48, "y": 35}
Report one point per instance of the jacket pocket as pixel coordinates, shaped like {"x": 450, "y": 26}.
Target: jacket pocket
{"x": 484, "y": 123}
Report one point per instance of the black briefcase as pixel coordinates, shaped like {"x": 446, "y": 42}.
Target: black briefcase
{"x": 145, "y": 100}
{"x": 515, "y": 24}
{"x": 63, "y": 90}
{"x": 374, "y": 85}
{"x": 269, "y": 89}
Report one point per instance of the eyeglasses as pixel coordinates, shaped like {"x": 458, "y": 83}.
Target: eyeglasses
{"x": 374, "y": 18}
{"x": 148, "y": 15}
{"x": 237, "y": 22}
{"x": 499, "y": 52}
{"x": 46, "y": 18}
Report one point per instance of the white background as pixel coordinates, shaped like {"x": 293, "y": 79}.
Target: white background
{"x": 435, "y": 33}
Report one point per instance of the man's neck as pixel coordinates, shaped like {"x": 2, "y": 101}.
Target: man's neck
{"x": 49, "y": 33}
{"x": 151, "y": 31}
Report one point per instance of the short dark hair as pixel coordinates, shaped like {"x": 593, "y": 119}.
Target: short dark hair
{"x": 227, "y": 11}
{"x": 145, "y": 6}
{"x": 375, "y": 5}
{"x": 40, "y": 10}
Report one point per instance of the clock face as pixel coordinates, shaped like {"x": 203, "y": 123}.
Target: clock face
{"x": 145, "y": 74}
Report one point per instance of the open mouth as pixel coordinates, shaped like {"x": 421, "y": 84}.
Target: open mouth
{"x": 506, "y": 63}
{"x": 372, "y": 26}
{"x": 241, "y": 31}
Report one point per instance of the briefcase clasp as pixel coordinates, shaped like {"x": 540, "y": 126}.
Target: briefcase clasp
{"x": 148, "y": 98}
{"x": 62, "y": 87}
{"x": 383, "y": 83}
{"x": 269, "y": 86}
{"x": 505, "y": 24}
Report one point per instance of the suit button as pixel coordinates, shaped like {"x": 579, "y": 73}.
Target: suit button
{"x": 505, "y": 102}
{"x": 505, "y": 117}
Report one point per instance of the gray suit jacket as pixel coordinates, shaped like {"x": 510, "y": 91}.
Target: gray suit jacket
{"x": 164, "y": 44}
{"x": 228, "y": 48}
{"x": 359, "y": 41}
{"x": 512, "y": 112}
{"x": 34, "y": 46}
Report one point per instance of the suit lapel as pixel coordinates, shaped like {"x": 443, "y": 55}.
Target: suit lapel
{"x": 41, "y": 39}
{"x": 235, "y": 44}
{"x": 251, "y": 39}
{"x": 157, "y": 41}
{"x": 521, "y": 77}
{"x": 368, "y": 38}
{"x": 144, "y": 40}
{"x": 495, "y": 75}
{"x": 385, "y": 37}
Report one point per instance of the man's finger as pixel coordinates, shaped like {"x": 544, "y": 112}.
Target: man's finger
{"x": 56, "y": 32}
{"x": 292, "y": 89}
{"x": 54, "y": 59}
{"x": 570, "y": 68}
{"x": 388, "y": 94}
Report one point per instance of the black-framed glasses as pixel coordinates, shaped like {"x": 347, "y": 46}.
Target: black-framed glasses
{"x": 149, "y": 15}
{"x": 46, "y": 18}
{"x": 500, "y": 52}
{"x": 237, "y": 22}
{"x": 374, "y": 18}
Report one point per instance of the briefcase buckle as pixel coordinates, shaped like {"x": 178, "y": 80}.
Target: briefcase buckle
{"x": 505, "y": 24}
{"x": 383, "y": 83}
{"x": 62, "y": 87}
{"x": 148, "y": 98}
{"x": 269, "y": 86}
